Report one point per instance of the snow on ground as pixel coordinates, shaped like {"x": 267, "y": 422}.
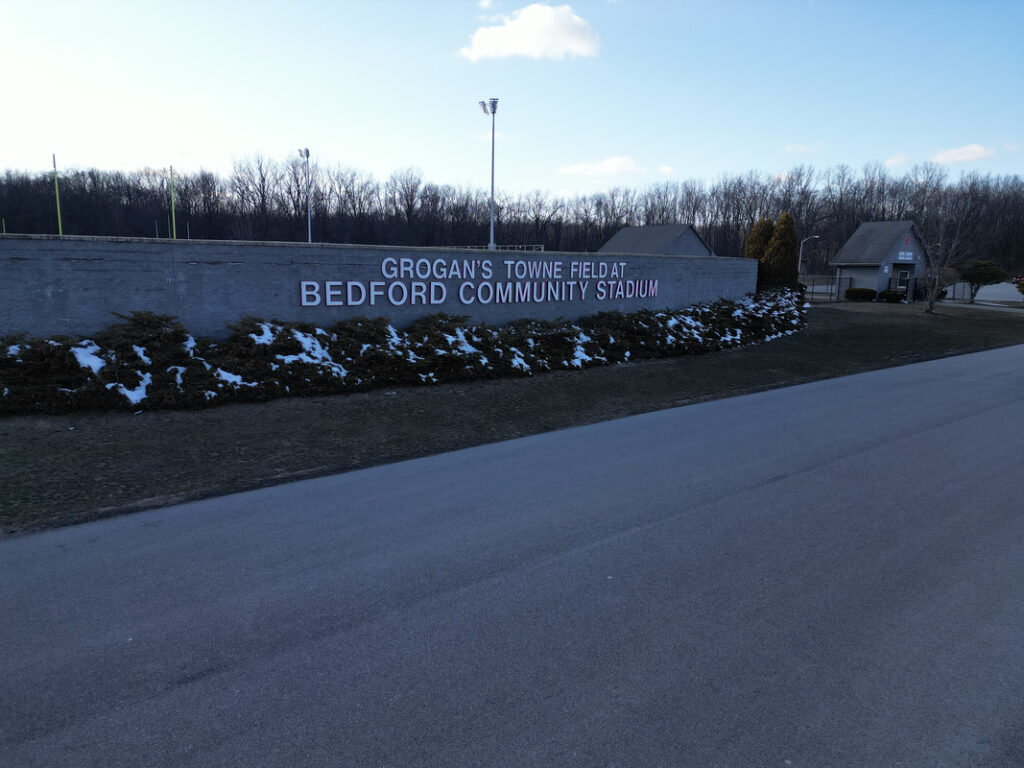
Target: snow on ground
{"x": 999, "y": 292}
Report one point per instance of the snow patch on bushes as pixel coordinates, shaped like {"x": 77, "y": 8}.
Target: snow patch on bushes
{"x": 138, "y": 394}
{"x": 85, "y": 354}
{"x": 313, "y": 353}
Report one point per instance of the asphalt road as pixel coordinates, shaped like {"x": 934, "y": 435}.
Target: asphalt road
{"x": 826, "y": 575}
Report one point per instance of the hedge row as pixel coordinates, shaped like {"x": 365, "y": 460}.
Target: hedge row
{"x": 151, "y": 361}
{"x": 860, "y": 294}
{"x": 893, "y": 297}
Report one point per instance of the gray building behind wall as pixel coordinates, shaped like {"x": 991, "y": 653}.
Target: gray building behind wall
{"x": 663, "y": 239}
{"x": 882, "y": 255}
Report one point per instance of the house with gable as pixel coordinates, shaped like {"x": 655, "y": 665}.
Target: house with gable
{"x": 661, "y": 239}
{"x": 882, "y": 255}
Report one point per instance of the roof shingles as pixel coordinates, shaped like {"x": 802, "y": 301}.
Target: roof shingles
{"x": 873, "y": 242}
{"x": 664, "y": 239}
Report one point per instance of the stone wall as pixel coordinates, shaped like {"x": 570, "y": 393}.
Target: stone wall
{"x": 74, "y": 285}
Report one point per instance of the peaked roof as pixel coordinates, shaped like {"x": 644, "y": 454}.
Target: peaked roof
{"x": 663, "y": 239}
{"x": 874, "y": 240}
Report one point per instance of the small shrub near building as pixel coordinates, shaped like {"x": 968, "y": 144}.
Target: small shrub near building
{"x": 893, "y": 297}
{"x": 860, "y": 294}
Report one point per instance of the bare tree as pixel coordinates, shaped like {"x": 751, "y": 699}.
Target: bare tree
{"x": 256, "y": 187}
{"x": 974, "y": 217}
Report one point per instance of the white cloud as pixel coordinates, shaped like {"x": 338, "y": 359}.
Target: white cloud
{"x": 665, "y": 170}
{"x": 486, "y": 3}
{"x": 610, "y": 166}
{"x": 800, "y": 149}
{"x": 901, "y": 159}
{"x": 537, "y": 31}
{"x": 1012, "y": 146}
{"x": 963, "y": 154}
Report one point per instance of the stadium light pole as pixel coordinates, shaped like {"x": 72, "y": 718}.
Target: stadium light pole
{"x": 309, "y": 211}
{"x": 174, "y": 219}
{"x": 490, "y": 107}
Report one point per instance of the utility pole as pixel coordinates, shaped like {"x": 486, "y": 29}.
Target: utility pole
{"x": 309, "y": 210}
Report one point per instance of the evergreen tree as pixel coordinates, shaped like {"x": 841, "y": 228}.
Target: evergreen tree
{"x": 780, "y": 256}
{"x": 757, "y": 240}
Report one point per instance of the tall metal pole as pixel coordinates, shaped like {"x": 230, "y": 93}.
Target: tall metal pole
{"x": 491, "y": 246}
{"x": 56, "y": 191}
{"x": 491, "y": 108}
{"x": 309, "y": 209}
{"x": 800, "y": 256}
{"x": 174, "y": 220}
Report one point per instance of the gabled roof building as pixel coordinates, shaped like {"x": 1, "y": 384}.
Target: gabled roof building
{"x": 882, "y": 255}
{"x": 660, "y": 239}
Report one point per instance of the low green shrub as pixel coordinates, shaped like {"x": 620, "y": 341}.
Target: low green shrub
{"x": 151, "y": 361}
{"x": 860, "y": 294}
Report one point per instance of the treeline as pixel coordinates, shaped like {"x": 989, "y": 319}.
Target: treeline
{"x": 973, "y": 216}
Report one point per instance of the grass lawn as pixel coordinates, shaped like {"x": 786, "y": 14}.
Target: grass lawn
{"x": 61, "y": 470}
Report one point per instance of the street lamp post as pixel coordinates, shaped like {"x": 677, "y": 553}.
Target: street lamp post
{"x": 800, "y": 257}
{"x": 309, "y": 211}
{"x": 56, "y": 192}
{"x": 490, "y": 107}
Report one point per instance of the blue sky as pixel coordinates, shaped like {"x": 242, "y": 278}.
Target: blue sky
{"x": 593, "y": 93}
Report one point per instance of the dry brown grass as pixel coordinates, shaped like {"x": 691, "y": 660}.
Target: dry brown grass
{"x": 61, "y": 470}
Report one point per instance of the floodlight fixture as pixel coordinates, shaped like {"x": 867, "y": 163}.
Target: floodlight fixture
{"x": 494, "y": 105}
{"x": 483, "y": 106}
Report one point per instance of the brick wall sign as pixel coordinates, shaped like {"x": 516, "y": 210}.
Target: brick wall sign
{"x": 481, "y": 282}
{"x": 74, "y": 285}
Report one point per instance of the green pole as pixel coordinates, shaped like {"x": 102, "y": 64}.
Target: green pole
{"x": 56, "y": 191}
{"x": 174, "y": 221}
